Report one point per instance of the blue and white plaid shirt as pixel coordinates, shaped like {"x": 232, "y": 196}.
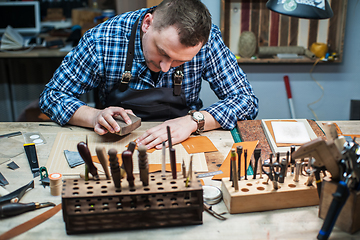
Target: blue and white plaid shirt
{"x": 99, "y": 61}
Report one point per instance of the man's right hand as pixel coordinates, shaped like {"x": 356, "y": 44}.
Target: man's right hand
{"x": 102, "y": 120}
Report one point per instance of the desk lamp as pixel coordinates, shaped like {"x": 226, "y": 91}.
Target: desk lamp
{"x": 311, "y": 9}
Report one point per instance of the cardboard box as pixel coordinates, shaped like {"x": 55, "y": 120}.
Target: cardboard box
{"x": 84, "y": 16}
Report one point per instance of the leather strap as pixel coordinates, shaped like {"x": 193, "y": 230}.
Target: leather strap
{"x": 30, "y": 224}
{"x": 178, "y": 78}
{"x": 126, "y": 77}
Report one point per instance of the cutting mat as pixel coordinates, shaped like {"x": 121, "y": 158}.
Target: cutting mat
{"x": 69, "y": 140}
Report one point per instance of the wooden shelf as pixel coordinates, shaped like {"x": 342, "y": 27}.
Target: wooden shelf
{"x": 282, "y": 61}
{"x": 273, "y": 29}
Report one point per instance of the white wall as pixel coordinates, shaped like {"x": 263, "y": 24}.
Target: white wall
{"x": 341, "y": 81}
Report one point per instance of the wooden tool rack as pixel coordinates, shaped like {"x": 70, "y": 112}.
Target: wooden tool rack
{"x": 349, "y": 216}
{"x": 257, "y": 195}
{"x": 97, "y": 206}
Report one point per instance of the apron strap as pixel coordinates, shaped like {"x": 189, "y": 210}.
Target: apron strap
{"x": 126, "y": 76}
{"x": 178, "y": 78}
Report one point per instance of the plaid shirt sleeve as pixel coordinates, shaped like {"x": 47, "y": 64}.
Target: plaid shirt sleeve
{"x": 96, "y": 61}
{"x": 74, "y": 77}
{"x": 236, "y": 97}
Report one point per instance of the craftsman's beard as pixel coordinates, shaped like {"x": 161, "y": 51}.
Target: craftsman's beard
{"x": 151, "y": 64}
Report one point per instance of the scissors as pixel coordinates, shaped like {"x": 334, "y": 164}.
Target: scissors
{"x": 273, "y": 171}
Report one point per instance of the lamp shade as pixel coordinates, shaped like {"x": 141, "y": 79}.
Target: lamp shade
{"x": 311, "y": 9}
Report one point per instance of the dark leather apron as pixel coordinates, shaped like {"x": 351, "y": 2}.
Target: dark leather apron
{"x": 155, "y": 104}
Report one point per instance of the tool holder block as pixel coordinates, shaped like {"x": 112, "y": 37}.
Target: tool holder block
{"x": 349, "y": 217}
{"x": 97, "y": 206}
{"x": 257, "y": 195}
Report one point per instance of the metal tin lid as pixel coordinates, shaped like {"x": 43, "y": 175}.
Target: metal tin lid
{"x": 212, "y": 195}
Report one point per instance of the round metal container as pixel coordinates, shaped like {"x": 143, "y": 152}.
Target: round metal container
{"x": 212, "y": 195}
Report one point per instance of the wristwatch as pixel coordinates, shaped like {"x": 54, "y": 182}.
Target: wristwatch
{"x": 198, "y": 117}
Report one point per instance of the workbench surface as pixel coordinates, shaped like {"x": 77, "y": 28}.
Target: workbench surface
{"x": 296, "y": 223}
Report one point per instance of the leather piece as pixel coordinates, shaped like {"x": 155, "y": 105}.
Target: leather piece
{"x": 225, "y": 167}
{"x": 198, "y": 144}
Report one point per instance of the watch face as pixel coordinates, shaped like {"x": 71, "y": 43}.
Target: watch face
{"x": 198, "y": 116}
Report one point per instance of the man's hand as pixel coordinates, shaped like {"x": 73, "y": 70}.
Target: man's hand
{"x": 181, "y": 128}
{"x": 101, "y": 120}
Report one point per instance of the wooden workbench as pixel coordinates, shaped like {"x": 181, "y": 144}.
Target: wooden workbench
{"x": 297, "y": 223}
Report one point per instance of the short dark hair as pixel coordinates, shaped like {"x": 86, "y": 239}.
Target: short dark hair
{"x": 190, "y": 17}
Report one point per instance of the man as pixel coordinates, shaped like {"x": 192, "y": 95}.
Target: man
{"x": 151, "y": 63}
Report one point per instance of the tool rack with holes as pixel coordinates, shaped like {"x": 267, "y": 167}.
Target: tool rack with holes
{"x": 97, "y": 206}
{"x": 259, "y": 195}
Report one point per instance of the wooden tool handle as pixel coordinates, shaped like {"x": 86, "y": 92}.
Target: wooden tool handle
{"x": 114, "y": 166}
{"x": 173, "y": 163}
{"x": 233, "y": 162}
{"x": 143, "y": 165}
{"x": 13, "y": 209}
{"x": 128, "y": 165}
{"x": 131, "y": 146}
{"x": 101, "y": 154}
{"x": 86, "y": 156}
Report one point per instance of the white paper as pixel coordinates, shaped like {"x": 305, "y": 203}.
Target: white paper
{"x": 290, "y": 132}
{"x": 11, "y": 39}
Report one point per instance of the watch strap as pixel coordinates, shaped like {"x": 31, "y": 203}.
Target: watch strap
{"x": 200, "y": 124}
{"x": 200, "y": 127}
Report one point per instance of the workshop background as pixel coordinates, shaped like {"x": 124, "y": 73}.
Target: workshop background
{"x": 340, "y": 81}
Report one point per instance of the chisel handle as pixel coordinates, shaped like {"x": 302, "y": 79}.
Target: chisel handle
{"x": 101, "y": 154}
{"x": 86, "y": 156}
{"x": 114, "y": 167}
{"x": 128, "y": 165}
{"x": 131, "y": 146}
{"x": 13, "y": 209}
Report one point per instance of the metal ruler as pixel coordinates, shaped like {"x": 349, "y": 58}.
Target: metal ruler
{"x": 202, "y": 175}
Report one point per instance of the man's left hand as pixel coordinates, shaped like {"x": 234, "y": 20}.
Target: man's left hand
{"x": 180, "y": 128}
